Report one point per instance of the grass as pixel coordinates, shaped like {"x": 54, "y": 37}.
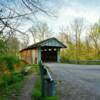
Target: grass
{"x": 35, "y": 69}
{"x": 11, "y": 91}
{"x": 36, "y": 94}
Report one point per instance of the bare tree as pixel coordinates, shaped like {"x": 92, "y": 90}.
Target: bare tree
{"x": 88, "y": 45}
{"x": 11, "y": 15}
{"x": 9, "y": 25}
{"x": 95, "y": 36}
{"x": 64, "y": 35}
{"x": 77, "y": 28}
{"x": 40, "y": 32}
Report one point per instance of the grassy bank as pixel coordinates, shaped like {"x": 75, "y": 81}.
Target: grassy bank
{"x": 36, "y": 94}
{"x": 11, "y": 78}
{"x": 11, "y": 84}
{"x": 10, "y": 90}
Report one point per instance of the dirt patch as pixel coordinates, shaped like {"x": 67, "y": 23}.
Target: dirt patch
{"x": 27, "y": 89}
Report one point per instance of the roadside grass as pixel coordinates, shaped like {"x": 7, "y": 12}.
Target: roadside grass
{"x": 10, "y": 85}
{"x": 11, "y": 78}
{"x": 36, "y": 94}
{"x": 35, "y": 69}
{"x": 12, "y": 82}
{"x": 93, "y": 63}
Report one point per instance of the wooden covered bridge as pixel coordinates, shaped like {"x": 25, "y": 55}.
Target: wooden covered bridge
{"x": 47, "y": 50}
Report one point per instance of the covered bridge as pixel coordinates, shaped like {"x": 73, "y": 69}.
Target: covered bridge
{"x": 47, "y": 50}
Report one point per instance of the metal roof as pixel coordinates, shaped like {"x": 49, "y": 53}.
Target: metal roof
{"x": 45, "y": 43}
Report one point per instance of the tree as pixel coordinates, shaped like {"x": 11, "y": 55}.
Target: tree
{"x": 77, "y": 28}
{"x": 88, "y": 45}
{"x": 95, "y": 36}
{"x": 64, "y": 36}
{"x": 40, "y": 32}
{"x": 14, "y": 13}
{"x": 35, "y": 6}
{"x": 12, "y": 16}
{"x": 13, "y": 45}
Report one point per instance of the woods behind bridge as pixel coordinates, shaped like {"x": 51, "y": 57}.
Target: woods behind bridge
{"x": 83, "y": 41}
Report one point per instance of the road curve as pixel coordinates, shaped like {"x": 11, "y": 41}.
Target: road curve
{"x": 76, "y": 82}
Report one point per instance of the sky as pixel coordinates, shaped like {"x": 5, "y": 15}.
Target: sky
{"x": 67, "y": 10}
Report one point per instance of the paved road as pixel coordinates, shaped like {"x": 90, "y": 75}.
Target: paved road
{"x": 76, "y": 82}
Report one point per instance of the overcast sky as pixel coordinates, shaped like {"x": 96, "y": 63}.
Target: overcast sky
{"x": 67, "y": 10}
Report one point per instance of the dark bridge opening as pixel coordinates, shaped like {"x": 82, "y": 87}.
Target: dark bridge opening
{"x": 49, "y": 55}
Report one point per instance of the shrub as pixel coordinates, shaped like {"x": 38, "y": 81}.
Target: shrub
{"x": 10, "y": 61}
{"x": 9, "y": 80}
{"x": 8, "y": 72}
{"x": 11, "y": 64}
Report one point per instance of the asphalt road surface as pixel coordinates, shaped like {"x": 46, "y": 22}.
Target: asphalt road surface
{"x": 76, "y": 82}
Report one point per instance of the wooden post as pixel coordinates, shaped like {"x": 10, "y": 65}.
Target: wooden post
{"x": 33, "y": 57}
{"x": 39, "y": 55}
{"x": 58, "y": 55}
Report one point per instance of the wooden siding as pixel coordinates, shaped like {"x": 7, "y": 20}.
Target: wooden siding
{"x": 27, "y": 56}
{"x": 34, "y": 56}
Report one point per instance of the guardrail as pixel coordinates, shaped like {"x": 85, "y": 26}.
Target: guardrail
{"x": 83, "y": 61}
{"x": 48, "y": 84}
{"x": 86, "y": 60}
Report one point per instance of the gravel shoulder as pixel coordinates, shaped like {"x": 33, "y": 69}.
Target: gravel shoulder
{"x": 76, "y": 82}
{"x": 27, "y": 88}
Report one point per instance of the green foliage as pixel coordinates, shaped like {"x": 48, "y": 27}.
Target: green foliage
{"x": 35, "y": 69}
{"x": 9, "y": 62}
{"x": 37, "y": 91}
{"x": 69, "y": 55}
{"x": 10, "y": 79}
{"x": 85, "y": 47}
{"x": 8, "y": 89}
{"x": 3, "y": 47}
{"x": 29, "y": 69}
{"x": 13, "y": 45}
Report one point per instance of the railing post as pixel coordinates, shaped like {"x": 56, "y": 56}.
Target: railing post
{"x": 47, "y": 83}
{"x": 42, "y": 78}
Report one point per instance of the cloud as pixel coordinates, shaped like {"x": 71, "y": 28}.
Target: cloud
{"x": 71, "y": 12}
{"x": 67, "y": 10}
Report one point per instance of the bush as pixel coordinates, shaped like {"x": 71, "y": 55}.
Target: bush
{"x": 8, "y": 73}
{"x": 9, "y": 80}
{"x": 10, "y": 89}
{"x": 9, "y": 62}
